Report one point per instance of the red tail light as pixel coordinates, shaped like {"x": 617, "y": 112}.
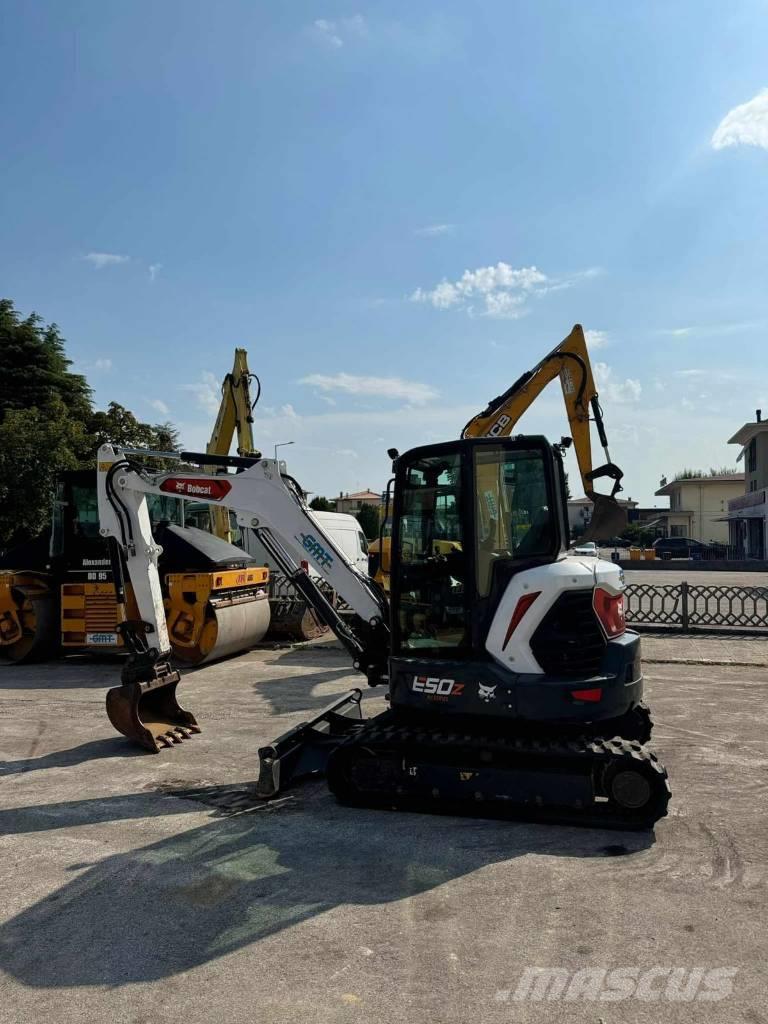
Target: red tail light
{"x": 593, "y": 695}
{"x": 521, "y": 608}
{"x": 609, "y": 609}
{"x": 304, "y": 565}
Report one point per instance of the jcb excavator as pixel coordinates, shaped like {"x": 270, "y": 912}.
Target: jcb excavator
{"x": 570, "y": 361}
{"x": 514, "y": 685}
{"x": 57, "y": 593}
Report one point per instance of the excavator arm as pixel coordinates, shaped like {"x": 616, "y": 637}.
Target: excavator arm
{"x": 235, "y": 415}
{"x": 144, "y": 707}
{"x": 570, "y": 362}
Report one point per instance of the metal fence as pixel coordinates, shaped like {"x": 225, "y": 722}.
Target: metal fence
{"x": 690, "y": 605}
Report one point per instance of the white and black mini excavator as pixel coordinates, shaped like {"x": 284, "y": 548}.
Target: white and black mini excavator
{"x": 514, "y": 686}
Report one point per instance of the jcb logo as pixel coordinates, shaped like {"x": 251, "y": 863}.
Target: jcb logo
{"x": 498, "y": 426}
{"x": 437, "y": 687}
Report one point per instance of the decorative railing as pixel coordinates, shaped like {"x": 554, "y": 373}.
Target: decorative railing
{"x": 690, "y": 605}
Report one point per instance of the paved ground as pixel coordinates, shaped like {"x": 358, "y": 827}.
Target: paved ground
{"x": 701, "y": 578}
{"x": 705, "y": 649}
{"x": 150, "y": 889}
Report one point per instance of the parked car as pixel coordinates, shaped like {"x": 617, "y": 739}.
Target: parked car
{"x": 684, "y": 547}
{"x": 589, "y": 548}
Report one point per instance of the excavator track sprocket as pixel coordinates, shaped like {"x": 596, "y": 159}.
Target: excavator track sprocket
{"x": 596, "y": 782}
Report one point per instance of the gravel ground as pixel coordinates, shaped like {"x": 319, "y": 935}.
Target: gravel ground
{"x": 142, "y": 888}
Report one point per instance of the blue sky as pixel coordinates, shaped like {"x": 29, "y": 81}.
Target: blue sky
{"x": 359, "y": 194}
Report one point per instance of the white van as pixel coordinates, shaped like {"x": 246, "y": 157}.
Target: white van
{"x": 343, "y": 529}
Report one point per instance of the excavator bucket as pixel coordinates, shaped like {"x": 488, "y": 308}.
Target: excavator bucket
{"x": 608, "y": 519}
{"x": 149, "y": 713}
{"x": 304, "y": 750}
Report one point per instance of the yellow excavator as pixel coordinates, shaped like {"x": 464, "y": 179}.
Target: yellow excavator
{"x": 291, "y": 618}
{"x": 57, "y": 594}
{"x": 570, "y": 362}
{"x": 235, "y": 415}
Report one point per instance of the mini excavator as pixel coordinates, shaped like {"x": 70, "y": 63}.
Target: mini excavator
{"x": 514, "y": 686}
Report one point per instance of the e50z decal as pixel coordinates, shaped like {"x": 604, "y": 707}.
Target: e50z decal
{"x": 436, "y": 687}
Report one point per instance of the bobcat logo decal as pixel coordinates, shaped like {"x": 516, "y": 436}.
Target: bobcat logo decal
{"x": 486, "y": 693}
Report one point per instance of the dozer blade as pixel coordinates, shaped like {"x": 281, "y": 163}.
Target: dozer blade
{"x": 149, "y": 714}
{"x": 608, "y": 519}
{"x": 305, "y": 749}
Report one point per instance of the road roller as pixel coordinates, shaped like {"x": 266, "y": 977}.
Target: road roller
{"x": 57, "y": 593}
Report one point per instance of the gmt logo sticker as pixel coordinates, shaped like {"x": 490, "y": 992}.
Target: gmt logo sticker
{"x": 316, "y": 551}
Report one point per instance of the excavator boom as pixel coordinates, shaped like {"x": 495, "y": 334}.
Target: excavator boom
{"x": 235, "y": 416}
{"x": 570, "y": 362}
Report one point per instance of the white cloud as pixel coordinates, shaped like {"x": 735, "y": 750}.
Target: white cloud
{"x": 154, "y": 270}
{"x": 434, "y": 230}
{"x": 613, "y": 389}
{"x": 101, "y": 365}
{"x": 99, "y": 260}
{"x": 340, "y": 31}
{"x": 713, "y": 330}
{"x": 691, "y": 373}
{"x": 289, "y": 411}
{"x": 347, "y": 453}
{"x": 677, "y": 332}
{"x": 597, "y": 339}
{"x": 159, "y": 406}
{"x": 207, "y": 391}
{"x": 500, "y": 291}
{"x": 745, "y": 125}
{"x": 410, "y": 391}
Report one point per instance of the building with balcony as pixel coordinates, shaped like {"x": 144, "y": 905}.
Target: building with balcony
{"x": 698, "y": 506}
{"x": 747, "y": 517}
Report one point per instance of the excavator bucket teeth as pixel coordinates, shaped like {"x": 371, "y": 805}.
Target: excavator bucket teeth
{"x": 305, "y": 749}
{"x": 608, "y": 519}
{"x": 149, "y": 713}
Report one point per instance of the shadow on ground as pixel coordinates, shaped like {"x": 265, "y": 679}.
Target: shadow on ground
{"x": 93, "y": 750}
{"x": 62, "y": 674}
{"x": 168, "y": 907}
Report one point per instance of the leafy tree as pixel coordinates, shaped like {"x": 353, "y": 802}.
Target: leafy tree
{"x": 34, "y": 369}
{"x": 47, "y": 423}
{"x": 321, "y": 504}
{"x": 119, "y": 426}
{"x": 35, "y": 445}
{"x": 368, "y": 518}
{"x": 638, "y": 536}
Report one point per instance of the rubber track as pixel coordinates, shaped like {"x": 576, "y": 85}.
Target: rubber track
{"x": 383, "y": 741}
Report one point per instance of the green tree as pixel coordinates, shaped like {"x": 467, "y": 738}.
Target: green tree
{"x": 321, "y": 504}
{"x": 35, "y": 445}
{"x": 368, "y": 518}
{"x": 119, "y": 426}
{"x": 47, "y": 423}
{"x": 34, "y": 369}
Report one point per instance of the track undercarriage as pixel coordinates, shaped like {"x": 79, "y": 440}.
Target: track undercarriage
{"x": 394, "y": 761}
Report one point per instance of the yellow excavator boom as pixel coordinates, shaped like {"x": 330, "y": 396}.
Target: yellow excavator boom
{"x": 235, "y": 416}
{"x": 570, "y": 361}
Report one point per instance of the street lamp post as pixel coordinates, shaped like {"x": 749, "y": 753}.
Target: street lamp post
{"x": 282, "y": 444}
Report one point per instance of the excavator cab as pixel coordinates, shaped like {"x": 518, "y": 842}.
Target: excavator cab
{"x": 467, "y": 516}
